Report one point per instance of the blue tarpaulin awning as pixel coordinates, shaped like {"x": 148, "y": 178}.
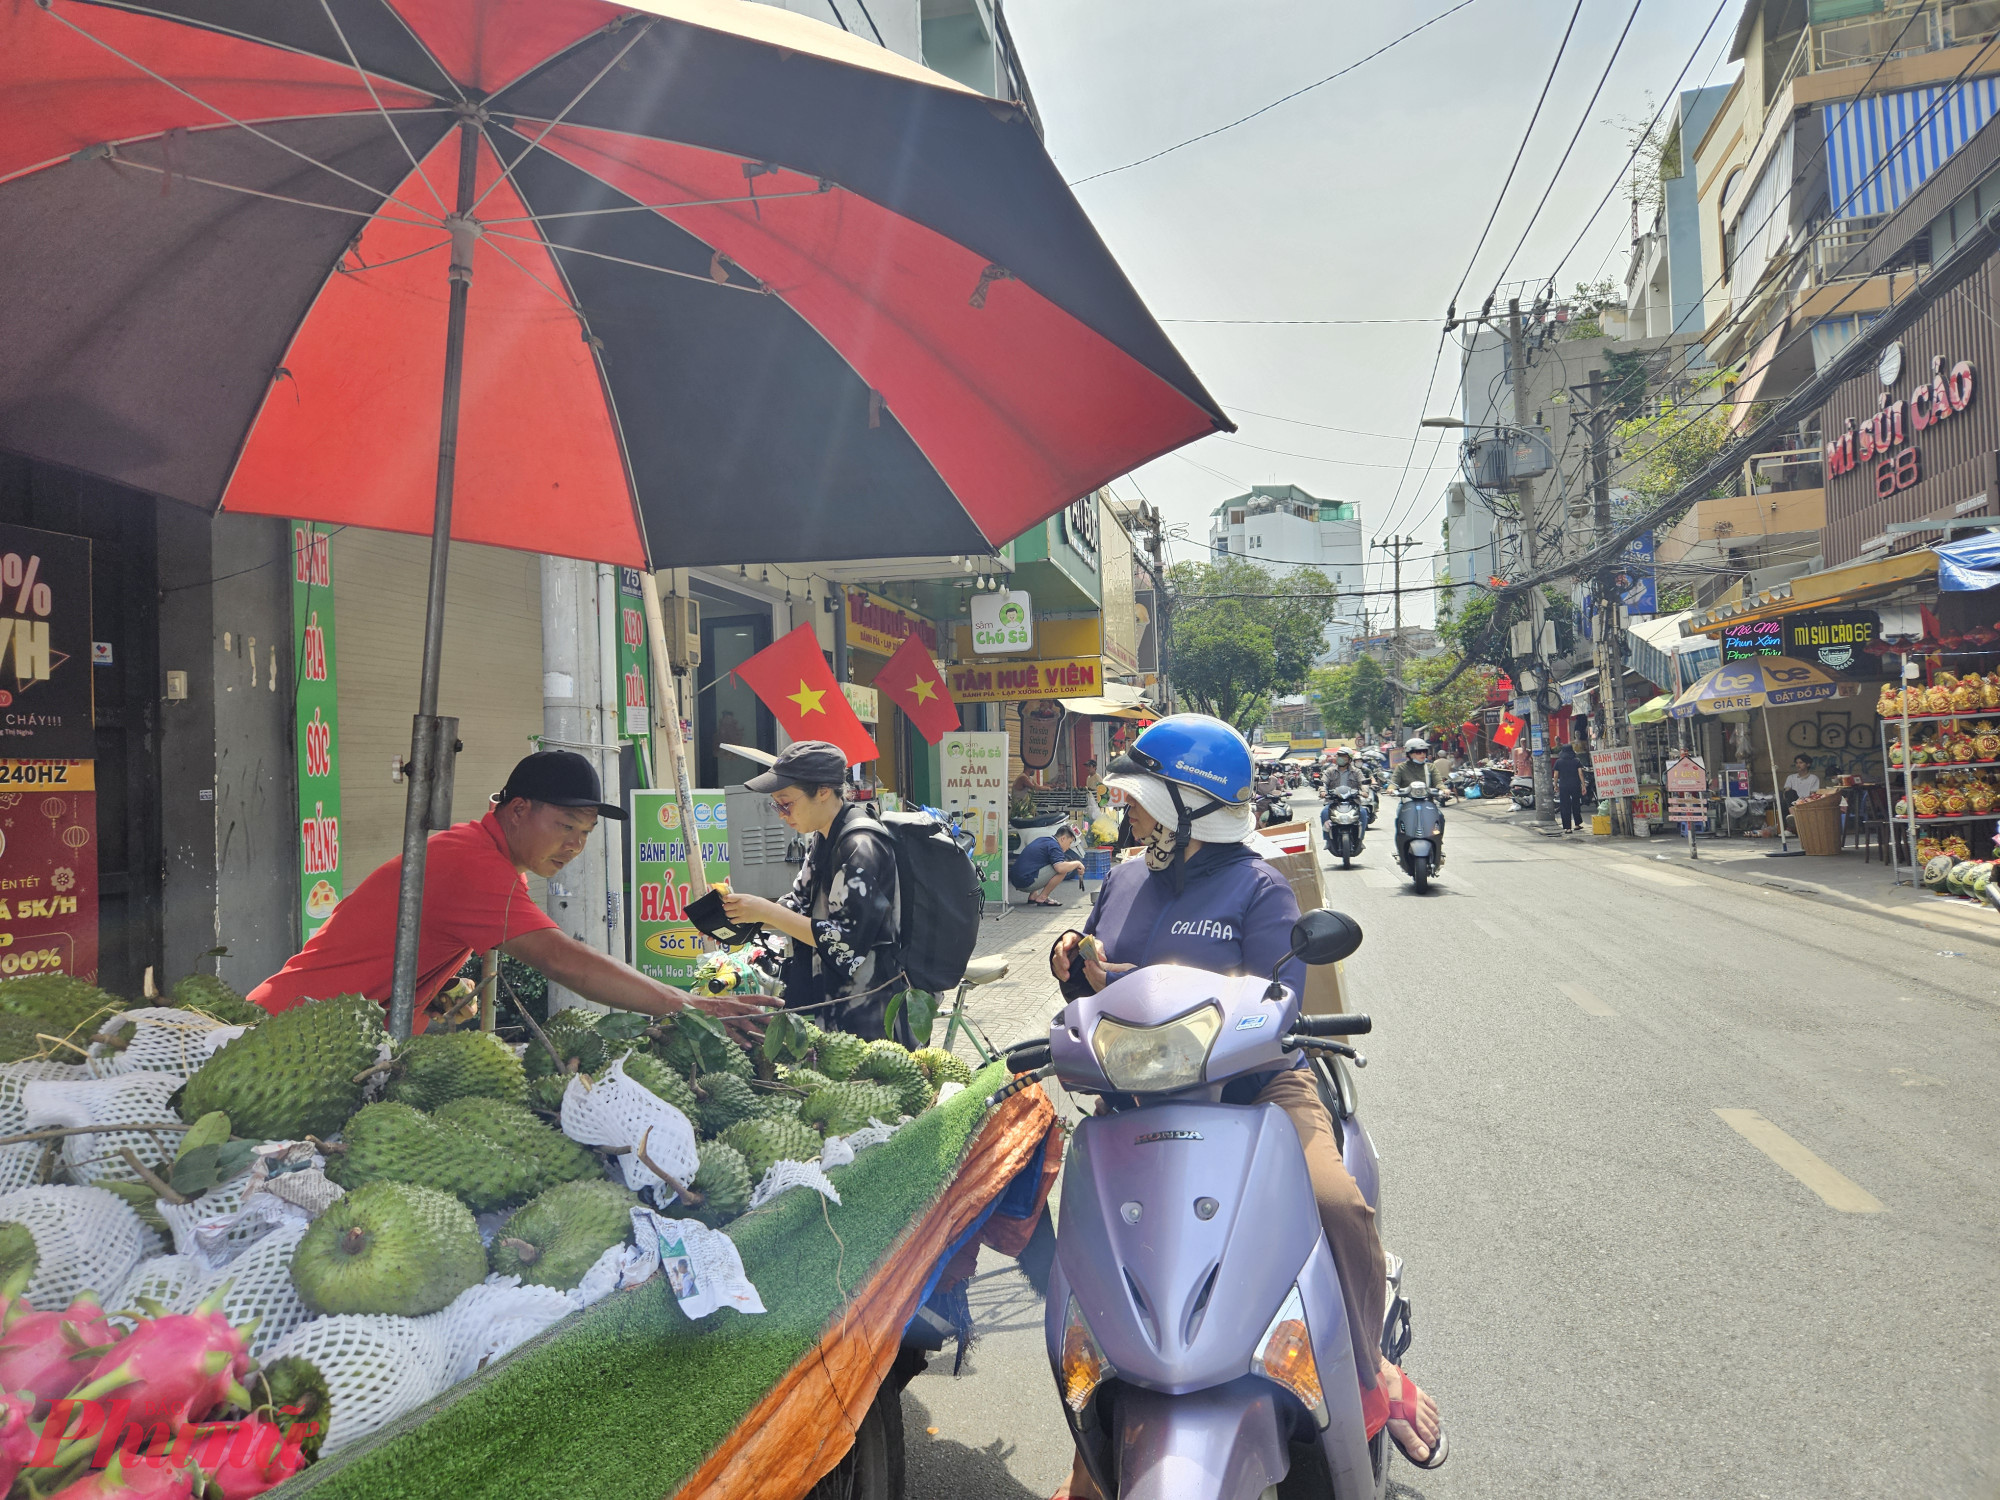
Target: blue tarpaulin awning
{"x": 1970, "y": 563}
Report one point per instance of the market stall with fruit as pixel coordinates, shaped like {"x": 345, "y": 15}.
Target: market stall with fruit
{"x": 1942, "y": 753}
{"x": 243, "y": 1250}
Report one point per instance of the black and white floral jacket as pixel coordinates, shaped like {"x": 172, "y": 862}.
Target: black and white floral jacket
{"x": 847, "y": 886}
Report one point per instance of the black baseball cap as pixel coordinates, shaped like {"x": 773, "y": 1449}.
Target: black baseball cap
{"x": 803, "y": 763}
{"x": 561, "y": 778}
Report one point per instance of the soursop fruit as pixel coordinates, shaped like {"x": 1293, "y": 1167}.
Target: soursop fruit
{"x": 661, "y": 1081}
{"x": 886, "y": 1062}
{"x": 293, "y": 1389}
{"x": 839, "y": 1054}
{"x": 292, "y": 1075}
{"x": 389, "y": 1247}
{"x": 553, "y": 1156}
{"x": 216, "y": 1000}
{"x": 546, "y": 1094}
{"x": 555, "y": 1238}
{"x": 437, "y": 1067}
{"x": 57, "y": 1003}
{"x": 808, "y": 1081}
{"x": 573, "y": 1033}
{"x": 765, "y": 1141}
{"x": 723, "y": 1180}
{"x": 941, "y": 1067}
{"x": 692, "y": 1048}
{"x": 779, "y": 1106}
{"x": 843, "y": 1108}
{"x": 19, "y": 1254}
{"x": 394, "y": 1143}
{"x": 21, "y": 1038}
{"x": 724, "y": 1099}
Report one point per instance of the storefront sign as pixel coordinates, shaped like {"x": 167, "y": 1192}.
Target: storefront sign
{"x": 865, "y": 701}
{"x": 1071, "y": 677}
{"x": 634, "y": 662}
{"x": 1753, "y": 638}
{"x": 1613, "y": 768}
{"x": 879, "y": 625}
{"x": 1884, "y": 445}
{"x": 972, "y": 770}
{"x": 1040, "y": 726}
{"x": 45, "y": 646}
{"x": 1278, "y": 741}
{"x": 48, "y": 868}
{"x": 1836, "y": 641}
{"x": 317, "y": 729}
{"x": 1077, "y": 525}
{"x": 1003, "y": 623}
{"x": 665, "y": 945}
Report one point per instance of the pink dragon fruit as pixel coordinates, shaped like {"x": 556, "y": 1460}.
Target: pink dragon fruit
{"x": 143, "y": 1482}
{"x": 175, "y": 1368}
{"x": 17, "y": 1438}
{"x": 249, "y": 1457}
{"x": 38, "y": 1350}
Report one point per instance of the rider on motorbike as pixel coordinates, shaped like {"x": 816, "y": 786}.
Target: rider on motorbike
{"x": 1201, "y": 897}
{"x": 1345, "y": 773}
{"x": 1418, "y": 766}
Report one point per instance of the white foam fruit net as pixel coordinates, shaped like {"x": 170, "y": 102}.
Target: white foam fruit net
{"x": 259, "y": 1283}
{"x": 208, "y": 1228}
{"x": 86, "y": 1240}
{"x": 164, "y": 1279}
{"x": 128, "y": 1099}
{"x": 376, "y": 1368}
{"x": 161, "y": 1040}
{"x": 783, "y": 1176}
{"x": 618, "y": 1113}
{"x": 18, "y": 1162}
{"x": 486, "y": 1321}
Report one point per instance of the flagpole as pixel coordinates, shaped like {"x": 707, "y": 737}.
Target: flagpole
{"x": 667, "y": 721}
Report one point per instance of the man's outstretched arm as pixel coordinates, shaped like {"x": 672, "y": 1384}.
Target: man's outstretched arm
{"x": 599, "y": 977}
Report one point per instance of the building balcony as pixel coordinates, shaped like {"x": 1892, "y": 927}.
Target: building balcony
{"x": 1900, "y": 29}
{"x": 1736, "y": 519}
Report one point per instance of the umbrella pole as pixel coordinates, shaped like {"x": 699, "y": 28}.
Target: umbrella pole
{"x": 673, "y": 756}
{"x": 429, "y": 734}
{"x": 1784, "y": 838}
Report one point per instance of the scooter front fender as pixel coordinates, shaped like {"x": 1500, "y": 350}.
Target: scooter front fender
{"x": 1225, "y": 1442}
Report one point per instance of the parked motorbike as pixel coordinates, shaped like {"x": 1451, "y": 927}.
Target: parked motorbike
{"x": 1194, "y": 1317}
{"x": 1496, "y": 780}
{"x": 1522, "y": 790}
{"x": 1419, "y": 835}
{"x": 1344, "y": 823}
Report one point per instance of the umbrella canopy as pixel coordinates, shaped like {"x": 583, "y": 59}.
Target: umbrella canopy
{"x": 1759, "y": 682}
{"x": 1653, "y": 710}
{"x": 741, "y": 287}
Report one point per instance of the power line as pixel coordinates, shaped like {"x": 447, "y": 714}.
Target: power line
{"x": 1284, "y": 99}
{"x": 1297, "y": 322}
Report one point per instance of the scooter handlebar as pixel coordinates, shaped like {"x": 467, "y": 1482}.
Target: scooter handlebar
{"x": 1332, "y": 1026}
{"x": 1028, "y": 1059}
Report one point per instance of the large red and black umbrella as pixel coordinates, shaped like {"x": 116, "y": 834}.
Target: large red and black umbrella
{"x": 741, "y": 286}
{"x": 683, "y": 282}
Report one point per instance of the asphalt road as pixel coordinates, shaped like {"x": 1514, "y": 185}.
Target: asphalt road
{"x": 1698, "y": 1184}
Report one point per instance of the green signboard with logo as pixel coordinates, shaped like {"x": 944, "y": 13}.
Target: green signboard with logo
{"x": 665, "y": 945}
{"x": 634, "y": 661}
{"x": 318, "y": 728}
{"x": 972, "y": 783}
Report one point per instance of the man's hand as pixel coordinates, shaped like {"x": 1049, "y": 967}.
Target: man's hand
{"x": 595, "y": 976}
{"x": 1095, "y": 969}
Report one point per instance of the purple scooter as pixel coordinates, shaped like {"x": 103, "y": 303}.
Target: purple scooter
{"x": 1194, "y": 1318}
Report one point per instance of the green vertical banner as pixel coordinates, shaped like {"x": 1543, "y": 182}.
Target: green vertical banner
{"x": 665, "y": 945}
{"x": 317, "y": 732}
{"x": 634, "y": 660}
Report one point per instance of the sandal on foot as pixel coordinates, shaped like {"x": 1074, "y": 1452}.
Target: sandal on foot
{"x": 1042, "y": 901}
{"x": 1405, "y": 1411}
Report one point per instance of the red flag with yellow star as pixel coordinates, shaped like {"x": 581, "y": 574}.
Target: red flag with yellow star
{"x": 916, "y": 686}
{"x": 796, "y": 684}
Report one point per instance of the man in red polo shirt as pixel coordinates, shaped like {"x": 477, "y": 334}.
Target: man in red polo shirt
{"x": 475, "y": 898}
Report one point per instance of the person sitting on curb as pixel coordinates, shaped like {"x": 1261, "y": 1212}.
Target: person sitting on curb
{"x": 1043, "y": 864}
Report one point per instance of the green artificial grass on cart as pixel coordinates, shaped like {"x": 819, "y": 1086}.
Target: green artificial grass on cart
{"x": 624, "y": 1400}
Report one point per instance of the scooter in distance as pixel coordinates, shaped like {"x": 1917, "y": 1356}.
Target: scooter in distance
{"x": 1345, "y": 823}
{"x": 1194, "y": 1319}
{"x": 1419, "y": 835}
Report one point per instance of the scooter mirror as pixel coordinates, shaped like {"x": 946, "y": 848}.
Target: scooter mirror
{"x": 1325, "y": 937}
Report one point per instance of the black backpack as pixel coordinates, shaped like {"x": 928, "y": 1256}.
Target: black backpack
{"x": 939, "y": 894}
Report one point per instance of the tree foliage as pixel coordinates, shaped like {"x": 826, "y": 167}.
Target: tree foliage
{"x": 1480, "y": 630}
{"x": 1242, "y": 635}
{"x": 1353, "y": 697}
{"x": 1451, "y": 705}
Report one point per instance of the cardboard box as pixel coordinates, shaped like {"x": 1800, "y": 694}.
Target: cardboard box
{"x": 1325, "y": 983}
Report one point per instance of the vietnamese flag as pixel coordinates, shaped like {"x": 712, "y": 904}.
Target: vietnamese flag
{"x": 1509, "y": 731}
{"x": 796, "y": 684}
{"x": 918, "y": 688}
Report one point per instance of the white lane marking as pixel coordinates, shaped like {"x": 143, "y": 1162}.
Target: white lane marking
{"x": 1491, "y": 929}
{"x": 1587, "y": 1002}
{"x": 1835, "y": 1190}
{"x": 1648, "y": 872}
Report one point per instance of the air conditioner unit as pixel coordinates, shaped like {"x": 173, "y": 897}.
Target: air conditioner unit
{"x": 683, "y": 621}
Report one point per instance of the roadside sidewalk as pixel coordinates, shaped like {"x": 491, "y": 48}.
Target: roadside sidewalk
{"x": 1842, "y": 881}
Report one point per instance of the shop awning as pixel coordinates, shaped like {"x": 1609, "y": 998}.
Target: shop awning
{"x": 1754, "y": 371}
{"x": 1106, "y": 708}
{"x": 1653, "y": 710}
{"x": 1846, "y": 585}
{"x": 1572, "y": 688}
{"x": 1970, "y": 564}
{"x": 1651, "y": 646}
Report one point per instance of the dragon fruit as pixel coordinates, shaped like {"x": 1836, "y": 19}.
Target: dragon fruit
{"x": 249, "y": 1457}
{"x": 17, "y": 1438}
{"x": 144, "y": 1482}
{"x": 175, "y": 1368}
{"x": 38, "y": 1350}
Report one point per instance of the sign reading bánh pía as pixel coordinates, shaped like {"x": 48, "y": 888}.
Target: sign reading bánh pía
{"x": 45, "y": 646}
{"x": 48, "y": 868}
{"x": 665, "y": 945}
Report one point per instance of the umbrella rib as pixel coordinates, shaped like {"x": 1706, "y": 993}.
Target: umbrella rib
{"x": 574, "y": 310}
{"x": 369, "y": 84}
{"x": 619, "y": 260}
{"x": 507, "y": 167}
{"x": 662, "y": 208}
{"x": 230, "y": 187}
{"x": 222, "y": 114}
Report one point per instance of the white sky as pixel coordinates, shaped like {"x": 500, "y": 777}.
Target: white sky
{"x": 1362, "y": 199}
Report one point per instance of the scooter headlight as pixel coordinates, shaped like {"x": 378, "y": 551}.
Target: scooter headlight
{"x": 1156, "y": 1059}
{"x": 1084, "y": 1367}
{"x": 1345, "y": 815}
{"x": 1285, "y": 1355}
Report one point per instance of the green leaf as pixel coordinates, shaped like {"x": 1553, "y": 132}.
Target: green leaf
{"x": 785, "y": 1039}
{"x": 196, "y": 1171}
{"x": 923, "y": 1010}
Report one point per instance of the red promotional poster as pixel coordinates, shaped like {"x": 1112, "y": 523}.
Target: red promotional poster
{"x": 1509, "y": 731}
{"x": 48, "y": 868}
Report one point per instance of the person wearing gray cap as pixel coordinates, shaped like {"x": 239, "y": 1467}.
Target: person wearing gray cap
{"x": 843, "y": 910}
{"x": 476, "y": 898}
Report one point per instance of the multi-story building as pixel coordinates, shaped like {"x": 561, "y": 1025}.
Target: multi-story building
{"x": 1281, "y": 526}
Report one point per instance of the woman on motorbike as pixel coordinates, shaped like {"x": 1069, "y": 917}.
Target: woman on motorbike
{"x": 1202, "y": 897}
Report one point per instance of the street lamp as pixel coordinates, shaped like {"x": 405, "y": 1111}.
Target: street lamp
{"x": 1442, "y": 422}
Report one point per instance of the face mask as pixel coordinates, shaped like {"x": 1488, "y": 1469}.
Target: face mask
{"x": 1159, "y": 847}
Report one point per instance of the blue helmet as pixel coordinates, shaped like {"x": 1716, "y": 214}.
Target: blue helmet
{"x": 1194, "y": 750}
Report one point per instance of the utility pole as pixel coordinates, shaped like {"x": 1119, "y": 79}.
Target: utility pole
{"x": 1608, "y": 650}
{"x": 1530, "y": 519}
{"x": 1396, "y": 546}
